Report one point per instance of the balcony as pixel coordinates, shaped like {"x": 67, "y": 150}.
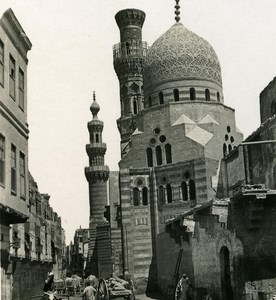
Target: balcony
{"x": 130, "y": 50}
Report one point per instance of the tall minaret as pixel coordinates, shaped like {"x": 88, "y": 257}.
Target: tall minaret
{"x": 128, "y": 59}
{"x": 97, "y": 175}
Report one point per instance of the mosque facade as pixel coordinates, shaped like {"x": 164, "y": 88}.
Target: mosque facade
{"x": 183, "y": 168}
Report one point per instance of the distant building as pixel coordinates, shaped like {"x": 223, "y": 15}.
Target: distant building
{"x": 77, "y": 253}
{"x": 32, "y": 239}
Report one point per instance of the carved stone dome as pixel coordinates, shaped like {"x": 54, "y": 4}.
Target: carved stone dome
{"x": 179, "y": 54}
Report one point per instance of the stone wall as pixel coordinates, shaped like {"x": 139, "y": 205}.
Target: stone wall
{"x": 23, "y": 280}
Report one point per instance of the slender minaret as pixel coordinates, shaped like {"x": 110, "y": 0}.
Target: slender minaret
{"x": 128, "y": 59}
{"x": 97, "y": 175}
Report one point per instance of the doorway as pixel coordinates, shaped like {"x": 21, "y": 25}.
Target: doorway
{"x": 225, "y": 275}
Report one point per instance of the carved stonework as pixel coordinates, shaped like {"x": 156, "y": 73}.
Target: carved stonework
{"x": 181, "y": 53}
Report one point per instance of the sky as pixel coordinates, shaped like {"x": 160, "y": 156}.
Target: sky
{"x": 72, "y": 56}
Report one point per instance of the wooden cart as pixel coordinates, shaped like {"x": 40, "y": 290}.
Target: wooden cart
{"x": 105, "y": 292}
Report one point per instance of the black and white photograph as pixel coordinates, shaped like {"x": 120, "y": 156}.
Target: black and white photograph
{"x": 138, "y": 149}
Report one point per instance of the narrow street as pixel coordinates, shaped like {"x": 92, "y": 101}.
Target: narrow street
{"x": 137, "y": 297}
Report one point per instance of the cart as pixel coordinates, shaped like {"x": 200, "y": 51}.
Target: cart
{"x": 108, "y": 290}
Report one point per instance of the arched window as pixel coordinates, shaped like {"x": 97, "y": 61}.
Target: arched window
{"x": 158, "y": 155}
{"x": 149, "y": 157}
{"x": 192, "y": 189}
{"x": 161, "y": 98}
{"x": 136, "y": 200}
{"x": 207, "y": 95}
{"x": 150, "y": 102}
{"x": 192, "y": 94}
{"x": 168, "y": 151}
{"x": 161, "y": 194}
{"x": 135, "y": 110}
{"x": 224, "y": 150}
{"x": 176, "y": 95}
{"x": 169, "y": 193}
{"x": 273, "y": 108}
{"x": 184, "y": 190}
{"x": 218, "y": 96}
{"x": 97, "y": 138}
{"x": 145, "y": 196}
{"x": 229, "y": 148}
{"x": 127, "y": 48}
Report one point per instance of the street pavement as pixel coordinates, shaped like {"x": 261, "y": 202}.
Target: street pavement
{"x": 137, "y": 297}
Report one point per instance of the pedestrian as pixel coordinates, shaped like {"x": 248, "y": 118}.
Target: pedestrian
{"x": 89, "y": 292}
{"x": 49, "y": 282}
{"x": 183, "y": 288}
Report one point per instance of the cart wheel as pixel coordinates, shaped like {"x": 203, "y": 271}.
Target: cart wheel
{"x": 102, "y": 293}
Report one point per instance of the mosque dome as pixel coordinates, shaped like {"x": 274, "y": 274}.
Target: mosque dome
{"x": 180, "y": 54}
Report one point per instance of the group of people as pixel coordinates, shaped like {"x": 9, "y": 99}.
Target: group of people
{"x": 89, "y": 292}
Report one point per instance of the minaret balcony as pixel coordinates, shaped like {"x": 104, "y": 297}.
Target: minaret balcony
{"x": 130, "y": 50}
{"x": 97, "y": 173}
{"x": 96, "y": 149}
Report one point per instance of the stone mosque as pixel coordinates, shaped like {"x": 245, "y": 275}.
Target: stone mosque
{"x": 170, "y": 208}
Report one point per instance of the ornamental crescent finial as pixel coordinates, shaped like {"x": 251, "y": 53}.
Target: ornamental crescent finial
{"x": 177, "y": 11}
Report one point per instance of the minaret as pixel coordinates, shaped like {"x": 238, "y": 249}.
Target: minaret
{"x": 97, "y": 175}
{"x": 128, "y": 59}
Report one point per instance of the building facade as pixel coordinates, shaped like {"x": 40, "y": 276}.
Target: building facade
{"x": 191, "y": 196}
{"x": 177, "y": 139}
{"x": 32, "y": 239}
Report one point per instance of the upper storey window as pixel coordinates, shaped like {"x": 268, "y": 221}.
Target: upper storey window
{"x": 13, "y": 168}
{"x": 12, "y": 77}
{"x": 22, "y": 175}
{"x": 207, "y": 95}
{"x": 192, "y": 94}
{"x": 1, "y": 63}
{"x": 21, "y": 89}
{"x": 2, "y": 159}
{"x": 176, "y": 95}
{"x": 161, "y": 98}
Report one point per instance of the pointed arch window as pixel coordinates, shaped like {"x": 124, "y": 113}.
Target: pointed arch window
{"x": 136, "y": 200}
{"x": 150, "y": 101}
{"x": 218, "y": 96}
{"x": 176, "y": 95}
{"x": 168, "y": 151}
{"x": 135, "y": 109}
{"x": 158, "y": 151}
{"x": 161, "y": 194}
{"x": 192, "y": 189}
{"x": 97, "y": 138}
{"x": 127, "y": 48}
{"x": 184, "y": 190}
{"x": 145, "y": 196}
{"x": 149, "y": 157}
{"x": 192, "y": 94}
{"x": 161, "y": 98}
{"x": 169, "y": 193}
{"x": 207, "y": 95}
{"x": 273, "y": 108}
{"x": 224, "y": 150}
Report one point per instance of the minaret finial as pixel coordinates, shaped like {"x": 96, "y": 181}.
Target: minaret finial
{"x": 94, "y": 96}
{"x": 94, "y": 108}
{"x": 177, "y": 11}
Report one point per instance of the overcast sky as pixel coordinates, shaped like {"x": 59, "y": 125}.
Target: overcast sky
{"x": 72, "y": 56}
